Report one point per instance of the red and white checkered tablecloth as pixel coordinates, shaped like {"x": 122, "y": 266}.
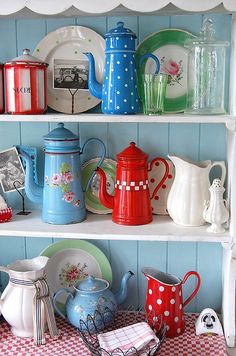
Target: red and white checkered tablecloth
{"x": 70, "y": 344}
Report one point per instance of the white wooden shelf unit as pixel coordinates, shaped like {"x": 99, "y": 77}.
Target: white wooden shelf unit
{"x": 101, "y": 227}
{"x": 97, "y": 117}
{"x": 162, "y": 228}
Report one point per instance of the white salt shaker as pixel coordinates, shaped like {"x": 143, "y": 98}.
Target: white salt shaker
{"x": 216, "y": 210}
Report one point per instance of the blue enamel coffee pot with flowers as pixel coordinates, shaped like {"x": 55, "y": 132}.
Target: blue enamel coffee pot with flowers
{"x": 62, "y": 195}
{"x": 119, "y": 91}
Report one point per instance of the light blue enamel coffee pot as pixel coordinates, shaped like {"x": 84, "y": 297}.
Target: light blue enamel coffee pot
{"x": 119, "y": 92}
{"x": 92, "y": 298}
{"x": 62, "y": 195}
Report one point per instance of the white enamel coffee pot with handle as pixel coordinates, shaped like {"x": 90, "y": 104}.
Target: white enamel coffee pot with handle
{"x": 190, "y": 189}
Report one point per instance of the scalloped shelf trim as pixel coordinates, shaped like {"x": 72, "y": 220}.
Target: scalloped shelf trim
{"x": 54, "y": 7}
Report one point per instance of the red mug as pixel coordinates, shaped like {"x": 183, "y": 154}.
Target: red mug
{"x": 164, "y": 297}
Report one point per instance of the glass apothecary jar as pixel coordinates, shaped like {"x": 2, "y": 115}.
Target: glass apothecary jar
{"x": 206, "y": 72}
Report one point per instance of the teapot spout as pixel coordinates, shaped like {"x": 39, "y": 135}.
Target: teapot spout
{"x": 106, "y": 199}
{"x": 33, "y": 191}
{"x": 121, "y": 295}
{"x": 95, "y": 88}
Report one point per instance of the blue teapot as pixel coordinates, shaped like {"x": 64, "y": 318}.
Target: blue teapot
{"x": 92, "y": 297}
{"x": 119, "y": 92}
{"x": 62, "y": 194}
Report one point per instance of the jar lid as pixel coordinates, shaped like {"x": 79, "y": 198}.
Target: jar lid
{"x": 120, "y": 30}
{"x": 92, "y": 284}
{"x": 60, "y": 134}
{"x": 26, "y": 58}
{"x": 132, "y": 153}
{"x": 206, "y": 37}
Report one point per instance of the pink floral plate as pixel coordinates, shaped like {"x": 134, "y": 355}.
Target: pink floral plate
{"x": 160, "y": 183}
{"x": 71, "y": 261}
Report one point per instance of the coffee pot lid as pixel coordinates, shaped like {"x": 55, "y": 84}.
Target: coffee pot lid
{"x": 60, "y": 134}
{"x": 132, "y": 152}
{"x": 120, "y": 30}
{"x": 92, "y": 284}
{"x": 26, "y": 58}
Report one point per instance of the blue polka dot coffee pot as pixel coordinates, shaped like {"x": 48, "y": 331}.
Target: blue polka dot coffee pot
{"x": 119, "y": 91}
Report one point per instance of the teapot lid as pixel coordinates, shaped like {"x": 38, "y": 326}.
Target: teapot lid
{"x": 132, "y": 153}
{"x": 60, "y": 134}
{"x": 120, "y": 30}
{"x": 92, "y": 284}
{"x": 26, "y": 58}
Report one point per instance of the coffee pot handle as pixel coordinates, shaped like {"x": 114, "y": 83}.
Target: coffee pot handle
{"x": 100, "y": 161}
{"x": 188, "y": 274}
{"x": 59, "y": 291}
{"x": 150, "y": 55}
{"x": 223, "y": 169}
{"x": 165, "y": 176}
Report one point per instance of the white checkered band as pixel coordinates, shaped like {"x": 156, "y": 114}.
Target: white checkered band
{"x": 135, "y": 186}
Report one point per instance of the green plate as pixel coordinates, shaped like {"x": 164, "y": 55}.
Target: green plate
{"x": 92, "y": 200}
{"x": 168, "y": 47}
{"x": 71, "y": 261}
{"x": 85, "y": 246}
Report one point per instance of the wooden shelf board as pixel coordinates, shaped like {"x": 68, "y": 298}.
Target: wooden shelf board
{"x": 140, "y": 118}
{"x": 101, "y": 227}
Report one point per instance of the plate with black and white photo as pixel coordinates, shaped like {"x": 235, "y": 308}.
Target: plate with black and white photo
{"x": 68, "y": 67}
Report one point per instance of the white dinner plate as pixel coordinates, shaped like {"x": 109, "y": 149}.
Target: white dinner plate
{"x": 63, "y": 50}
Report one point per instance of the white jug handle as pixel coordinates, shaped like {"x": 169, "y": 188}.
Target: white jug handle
{"x": 223, "y": 169}
{"x": 4, "y": 269}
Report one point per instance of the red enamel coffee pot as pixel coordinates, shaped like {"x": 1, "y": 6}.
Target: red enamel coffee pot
{"x": 131, "y": 202}
{"x": 164, "y": 297}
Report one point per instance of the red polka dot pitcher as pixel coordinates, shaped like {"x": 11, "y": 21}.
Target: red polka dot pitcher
{"x": 164, "y": 297}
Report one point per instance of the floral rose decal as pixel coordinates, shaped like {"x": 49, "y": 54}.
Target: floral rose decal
{"x": 56, "y": 179}
{"x": 63, "y": 180}
{"x": 67, "y": 177}
{"x": 69, "y": 197}
{"x": 173, "y": 68}
{"x": 72, "y": 274}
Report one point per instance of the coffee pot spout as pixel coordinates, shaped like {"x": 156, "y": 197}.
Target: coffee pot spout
{"x": 106, "y": 199}
{"x": 95, "y": 87}
{"x": 122, "y": 293}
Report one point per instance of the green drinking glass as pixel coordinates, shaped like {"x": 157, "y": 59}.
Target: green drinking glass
{"x": 154, "y": 92}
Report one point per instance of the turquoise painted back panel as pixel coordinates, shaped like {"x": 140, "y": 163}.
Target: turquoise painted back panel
{"x": 197, "y": 141}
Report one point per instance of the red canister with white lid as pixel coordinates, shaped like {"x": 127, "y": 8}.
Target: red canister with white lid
{"x": 1, "y": 89}
{"x": 25, "y": 85}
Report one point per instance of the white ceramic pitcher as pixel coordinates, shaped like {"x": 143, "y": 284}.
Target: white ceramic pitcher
{"x": 190, "y": 189}
{"x": 16, "y": 303}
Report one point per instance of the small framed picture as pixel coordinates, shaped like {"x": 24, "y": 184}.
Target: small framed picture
{"x": 12, "y": 173}
{"x": 70, "y": 74}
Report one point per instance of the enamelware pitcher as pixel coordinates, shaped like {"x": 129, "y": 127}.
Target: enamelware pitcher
{"x": 19, "y": 303}
{"x": 164, "y": 297}
{"x": 190, "y": 190}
